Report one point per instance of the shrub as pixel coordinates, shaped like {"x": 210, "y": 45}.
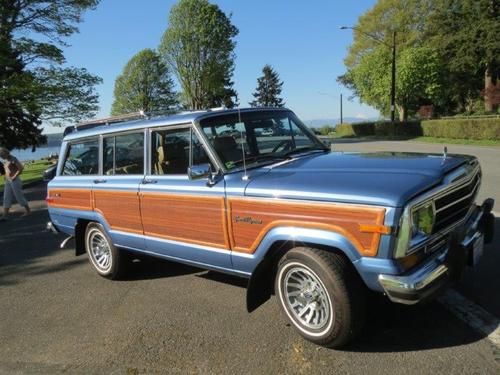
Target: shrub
{"x": 355, "y": 130}
{"x": 473, "y": 128}
{"x": 466, "y": 128}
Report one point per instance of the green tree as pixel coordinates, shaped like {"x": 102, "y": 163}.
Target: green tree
{"x": 34, "y": 86}
{"x": 198, "y": 46}
{"x": 419, "y": 72}
{"x": 268, "y": 89}
{"x": 145, "y": 84}
{"x": 465, "y": 33}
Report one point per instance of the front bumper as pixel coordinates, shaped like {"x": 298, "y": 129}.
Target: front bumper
{"x": 446, "y": 264}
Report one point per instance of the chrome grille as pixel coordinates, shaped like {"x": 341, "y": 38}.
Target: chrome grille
{"x": 452, "y": 206}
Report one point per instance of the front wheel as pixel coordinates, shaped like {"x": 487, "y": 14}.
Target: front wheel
{"x": 103, "y": 255}
{"x": 322, "y": 295}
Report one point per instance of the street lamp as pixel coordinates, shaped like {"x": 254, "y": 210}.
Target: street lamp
{"x": 393, "y": 78}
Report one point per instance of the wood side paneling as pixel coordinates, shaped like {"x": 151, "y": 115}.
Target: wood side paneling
{"x": 73, "y": 199}
{"x": 120, "y": 209}
{"x": 250, "y": 219}
{"x": 186, "y": 218}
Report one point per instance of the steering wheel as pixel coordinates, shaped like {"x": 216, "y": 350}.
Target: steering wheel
{"x": 286, "y": 144}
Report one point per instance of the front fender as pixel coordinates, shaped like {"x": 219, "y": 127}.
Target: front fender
{"x": 261, "y": 263}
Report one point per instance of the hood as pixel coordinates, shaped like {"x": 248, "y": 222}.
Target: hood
{"x": 382, "y": 178}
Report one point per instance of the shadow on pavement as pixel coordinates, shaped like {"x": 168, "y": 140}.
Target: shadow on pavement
{"x": 24, "y": 242}
{"x": 482, "y": 283}
{"x": 224, "y": 278}
{"x": 143, "y": 267}
{"x": 397, "y": 328}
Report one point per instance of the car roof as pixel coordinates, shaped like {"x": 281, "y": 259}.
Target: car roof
{"x": 170, "y": 120}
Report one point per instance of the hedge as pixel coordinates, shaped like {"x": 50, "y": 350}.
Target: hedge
{"x": 473, "y": 128}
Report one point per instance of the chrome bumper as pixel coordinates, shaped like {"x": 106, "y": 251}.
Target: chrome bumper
{"x": 445, "y": 265}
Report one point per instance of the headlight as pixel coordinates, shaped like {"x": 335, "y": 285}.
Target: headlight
{"x": 415, "y": 226}
{"x": 422, "y": 220}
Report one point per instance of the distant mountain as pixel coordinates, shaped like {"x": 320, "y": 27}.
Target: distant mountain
{"x": 334, "y": 121}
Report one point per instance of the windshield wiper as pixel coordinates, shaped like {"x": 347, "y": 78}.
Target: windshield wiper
{"x": 252, "y": 159}
{"x": 304, "y": 149}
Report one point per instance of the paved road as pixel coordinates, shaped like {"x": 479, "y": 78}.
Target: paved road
{"x": 58, "y": 316}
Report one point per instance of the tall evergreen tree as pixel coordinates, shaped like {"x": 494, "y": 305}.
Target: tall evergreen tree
{"x": 268, "y": 89}
{"x": 145, "y": 84}
{"x": 201, "y": 52}
{"x": 34, "y": 85}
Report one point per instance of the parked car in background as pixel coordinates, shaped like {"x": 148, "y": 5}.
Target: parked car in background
{"x": 317, "y": 228}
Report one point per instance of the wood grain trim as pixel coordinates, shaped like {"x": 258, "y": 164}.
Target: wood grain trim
{"x": 191, "y": 218}
{"x": 120, "y": 209}
{"x": 73, "y": 199}
{"x": 270, "y": 213}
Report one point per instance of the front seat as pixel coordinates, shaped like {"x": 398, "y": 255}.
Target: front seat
{"x": 227, "y": 148}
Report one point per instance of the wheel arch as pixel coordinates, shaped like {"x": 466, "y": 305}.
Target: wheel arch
{"x": 281, "y": 240}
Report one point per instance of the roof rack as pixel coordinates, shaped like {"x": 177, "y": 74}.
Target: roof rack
{"x": 127, "y": 117}
{"x": 104, "y": 121}
{"x": 114, "y": 119}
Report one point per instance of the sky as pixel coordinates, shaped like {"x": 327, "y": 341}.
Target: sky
{"x": 300, "y": 39}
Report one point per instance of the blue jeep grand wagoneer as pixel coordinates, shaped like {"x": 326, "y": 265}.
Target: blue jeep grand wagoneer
{"x": 254, "y": 193}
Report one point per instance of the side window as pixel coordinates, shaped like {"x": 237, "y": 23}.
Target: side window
{"x": 82, "y": 158}
{"x": 124, "y": 154}
{"x": 170, "y": 151}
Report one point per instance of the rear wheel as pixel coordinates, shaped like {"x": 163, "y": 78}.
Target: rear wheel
{"x": 106, "y": 259}
{"x": 322, "y": 295}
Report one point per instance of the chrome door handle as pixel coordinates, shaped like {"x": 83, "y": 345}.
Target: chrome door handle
{"x": 102, "y": 181}
{"x": 148, "y": 181}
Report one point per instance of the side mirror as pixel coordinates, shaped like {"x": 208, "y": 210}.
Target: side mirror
{"x": 200, "y": 171}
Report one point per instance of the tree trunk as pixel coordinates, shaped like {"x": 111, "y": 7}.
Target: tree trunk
{"x": 488, "y": 90}
{"x": 403, "y": 112}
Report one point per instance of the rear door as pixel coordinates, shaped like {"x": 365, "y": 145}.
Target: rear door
{"x": 116, "y": 190}
{"x": 183, "y": 218}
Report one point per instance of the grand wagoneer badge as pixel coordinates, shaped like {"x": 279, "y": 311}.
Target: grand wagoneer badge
{"x": 247, "y": 219}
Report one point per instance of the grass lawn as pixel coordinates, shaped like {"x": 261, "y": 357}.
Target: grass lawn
{"x": 32, "y": 172}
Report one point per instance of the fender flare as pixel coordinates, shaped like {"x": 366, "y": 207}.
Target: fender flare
{"x": 265, "y": 258}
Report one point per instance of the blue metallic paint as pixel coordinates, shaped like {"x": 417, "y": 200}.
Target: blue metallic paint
{"x": 374, "y": 179}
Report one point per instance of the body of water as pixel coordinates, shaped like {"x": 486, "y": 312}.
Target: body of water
{"x": 40, "y": 152}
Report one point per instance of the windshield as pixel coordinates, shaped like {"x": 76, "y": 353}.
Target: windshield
{"x": 258, "y": 137}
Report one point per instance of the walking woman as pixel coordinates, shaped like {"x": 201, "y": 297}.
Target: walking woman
{"x": 13, "y": 185}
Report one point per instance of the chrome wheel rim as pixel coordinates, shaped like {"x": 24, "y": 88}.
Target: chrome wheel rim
{"x": 100, "y": 251}
{"x": 306, "y": 298}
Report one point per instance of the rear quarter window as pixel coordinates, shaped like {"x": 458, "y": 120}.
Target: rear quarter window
{"x": 82, "y": 158}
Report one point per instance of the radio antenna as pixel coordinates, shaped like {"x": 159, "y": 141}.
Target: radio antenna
{"x": 245, "y": 176}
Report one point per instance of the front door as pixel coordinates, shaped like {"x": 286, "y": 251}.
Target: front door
{"x": 182, "y": 218}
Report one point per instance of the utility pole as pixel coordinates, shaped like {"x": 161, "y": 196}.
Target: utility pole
{"x": 341, "y": 116}
{"x": 393, "y": 78}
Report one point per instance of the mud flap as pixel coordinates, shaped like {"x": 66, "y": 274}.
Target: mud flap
{"x": 259, "y": 287}
{"x": 80, "y": 238}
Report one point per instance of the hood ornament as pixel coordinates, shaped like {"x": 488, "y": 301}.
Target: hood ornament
{"x": 445, "y": 152}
